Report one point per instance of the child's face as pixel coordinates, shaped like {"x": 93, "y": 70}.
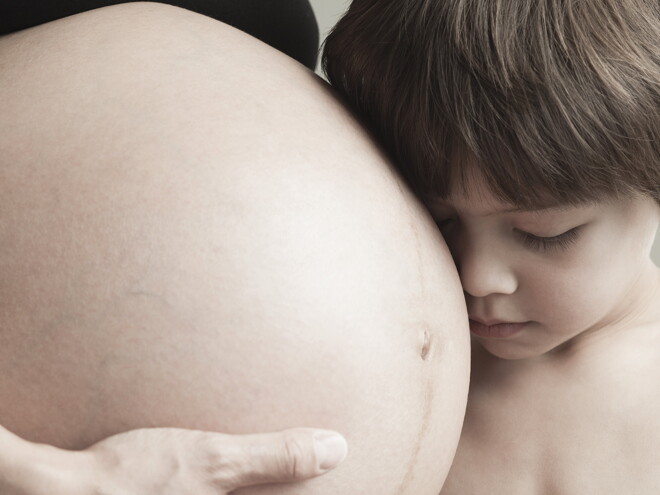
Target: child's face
{"x": 561, "y": 274}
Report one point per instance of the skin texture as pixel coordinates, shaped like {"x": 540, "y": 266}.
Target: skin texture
{"x": 197, "y": 235}
{"x": 570, "y": 403}
{"x": 168, "y": 461}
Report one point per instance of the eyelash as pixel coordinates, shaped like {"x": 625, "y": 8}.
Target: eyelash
{"x": 544, "y": 244}
{"x": 536, "y": 243}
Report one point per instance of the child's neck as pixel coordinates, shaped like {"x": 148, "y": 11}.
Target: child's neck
{"x": 636, "y": 315}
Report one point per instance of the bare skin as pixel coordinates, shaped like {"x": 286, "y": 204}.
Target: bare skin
{"x": 199, "y": 236}
{"x": 569, "y": 404}
{"x": 167, "y": 461}
{"x": 582, "y": 424}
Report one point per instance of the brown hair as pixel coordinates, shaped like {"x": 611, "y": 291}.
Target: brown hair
{"x": 556, "y": 101}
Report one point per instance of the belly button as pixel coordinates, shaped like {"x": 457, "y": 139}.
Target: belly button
{"x": 426, "y": 347}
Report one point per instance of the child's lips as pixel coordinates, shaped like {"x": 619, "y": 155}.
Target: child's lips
{"x": 496, "y": 330}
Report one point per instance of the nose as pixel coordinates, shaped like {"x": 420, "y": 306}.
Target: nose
{"x": 485, "y": 269}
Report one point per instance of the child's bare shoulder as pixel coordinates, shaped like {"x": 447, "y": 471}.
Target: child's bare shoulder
{"x": 606, "y": 411}
{"x": 632, "y": 393}
{"x": 594, "y": 415}
{"x": 619, "y": 375}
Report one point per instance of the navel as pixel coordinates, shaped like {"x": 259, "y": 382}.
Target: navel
{"x": 426, "y": 346}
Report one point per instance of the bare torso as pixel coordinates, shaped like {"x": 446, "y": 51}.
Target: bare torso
{"x": 586, "y": 423}
{"x": 194, "y": 233}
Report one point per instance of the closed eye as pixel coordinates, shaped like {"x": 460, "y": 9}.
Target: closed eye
{"x": 554, "y": 243}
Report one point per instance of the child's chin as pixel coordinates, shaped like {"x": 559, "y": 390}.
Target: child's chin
{"x": 506, "y": 349}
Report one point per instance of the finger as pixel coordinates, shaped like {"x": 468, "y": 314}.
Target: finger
{"x": 291, "y": 455}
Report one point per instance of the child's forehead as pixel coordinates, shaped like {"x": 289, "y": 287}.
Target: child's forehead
{"x": 470, "y": 188}
{"x": 474, "y": 204}
{"x": 480, "y": 201}
{"x": 471, "y": 193}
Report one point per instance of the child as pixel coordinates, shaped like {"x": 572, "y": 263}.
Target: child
{"x": 532, "y": 131}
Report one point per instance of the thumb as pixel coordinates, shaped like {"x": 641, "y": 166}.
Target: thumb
{"x": 290, "y": 455}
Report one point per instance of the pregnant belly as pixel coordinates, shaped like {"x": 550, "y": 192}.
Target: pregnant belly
{"x": 166, "y": 287}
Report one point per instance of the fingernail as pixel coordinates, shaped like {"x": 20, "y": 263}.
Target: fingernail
{"x": 331, "y": 449}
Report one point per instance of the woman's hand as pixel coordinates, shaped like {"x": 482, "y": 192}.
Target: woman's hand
{"x": 170, "y": 461}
